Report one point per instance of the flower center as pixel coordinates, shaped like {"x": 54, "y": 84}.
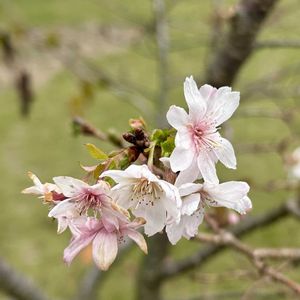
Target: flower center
{"x": 89, "y": 199}
{"x": 202, "y": 136}
{"x": 146, "y": 192}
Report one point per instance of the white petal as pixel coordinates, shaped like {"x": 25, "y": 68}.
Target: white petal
{"x": 65, "y": 208}
{"x": 174, "y": 232}
{"x": 118, "y": 176}
{"x": 190, "y": 204}
{"x": 232, "y": 194}
{"x": 155, "y": 216}
{"x": 225, "y": 153}
{"x": 189, "y": 175}
{"x": 105, "y": 249}
{"x": 122, "y": 194}
{"x": 206, "y": 92}
{"x": 181, "y": 159}
{"x": 69, "y": 185}
{"x": 33, "y": 190}
{"x": 183, "y": 138}
{"x": 196, "y": 104}
{"x": 223, "y": 104}
{"x": 192, "y": 223}
{"x": 207, "y": 168}
{"x": 189, "y": 188}
{"x": 177, "y": 117}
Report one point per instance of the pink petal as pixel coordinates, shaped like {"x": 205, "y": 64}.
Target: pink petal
{"x": 105, "y": 249}
{"x": 76, "y": 245}
{"x": 138, "y": 238}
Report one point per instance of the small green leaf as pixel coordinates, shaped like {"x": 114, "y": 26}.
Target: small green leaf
{"x": 96, "y": 152}
{"x": 168, "y": 146}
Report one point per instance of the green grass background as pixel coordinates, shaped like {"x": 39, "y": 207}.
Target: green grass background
{"x": 44, "y": 143}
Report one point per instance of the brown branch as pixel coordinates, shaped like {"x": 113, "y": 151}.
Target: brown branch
{"x": 277, "y": 44}
{"x": 280, "y": 253}
{"x": 83, "y": 127}
{"x": 18, "y": 286}
{"x": 239, "y": 42}
{"x": 248, "y": 225}
{"x": 226, "y": 238}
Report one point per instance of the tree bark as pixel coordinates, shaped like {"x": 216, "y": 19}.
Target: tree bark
{"x": 239, "y": 42}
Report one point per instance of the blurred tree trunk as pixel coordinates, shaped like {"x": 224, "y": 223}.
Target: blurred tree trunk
{"x": 234, "y": 49}
{"x": 149, "y": 279}
{"x": 228, "y": 57}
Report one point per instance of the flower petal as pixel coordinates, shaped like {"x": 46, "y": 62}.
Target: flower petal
{"x": 105, "y": 249}
{"x": 76, "y": 245}
{"x": 225, "y": 153}
{"x": 188, "y": 175}
{"x": 69, "y": 185}
{"x": 155, "y": 216}
{"x": 232, "y": 194}
{"x": 207, "y": 168}
{"x": 190, "y": 204}
{"x": 196, "y": 104}
{"x": 177, "y": 117}
{"x": 206, "y": 92}
{"x": 181, "y": 158}
{"x": 189, "y": 188}
{"x": 222, "y": 104}
{"x": 138, "y": 238}
{"x": 192, "y": 223}
{"x": 174, "y": 232}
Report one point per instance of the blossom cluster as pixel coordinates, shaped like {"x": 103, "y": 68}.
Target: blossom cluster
{"x": 161, "y": 182}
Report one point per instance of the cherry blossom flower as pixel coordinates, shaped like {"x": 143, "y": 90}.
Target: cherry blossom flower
{"x": 195, "y": 197}
{"x": 105, "y": 235}
{"x": 80, "y": 198}
{"x": 44, "y": 190}
{"x": 147, "y": 196}
{"x": 198, "y": 143}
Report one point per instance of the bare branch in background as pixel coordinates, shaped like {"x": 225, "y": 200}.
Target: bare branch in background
{"x": 85, "y": 128}
{"x": 248, "y": 225}
{"x": 17, "y": 286}
{"x": 239, "y": 42}
{"x": 277, "y": 44}
{"x": 226, "y": 238}
{"x": 162, "y": 41}
{"x": 280, "y": 253}
{"x": 22, "y": 78}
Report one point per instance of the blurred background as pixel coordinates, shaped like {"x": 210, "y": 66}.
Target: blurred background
{"x": 108, "y": 61}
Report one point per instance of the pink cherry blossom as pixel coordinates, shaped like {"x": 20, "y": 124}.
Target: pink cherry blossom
{"x": 105, "y": 235}
{"x": 80, "y": 199}
{"x": 198, "y": 143}
{"x": 195, "y": 197}
{"x": 147, "y": 196}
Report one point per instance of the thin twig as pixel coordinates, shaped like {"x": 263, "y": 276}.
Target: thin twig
{"x": 226, "y": 238}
